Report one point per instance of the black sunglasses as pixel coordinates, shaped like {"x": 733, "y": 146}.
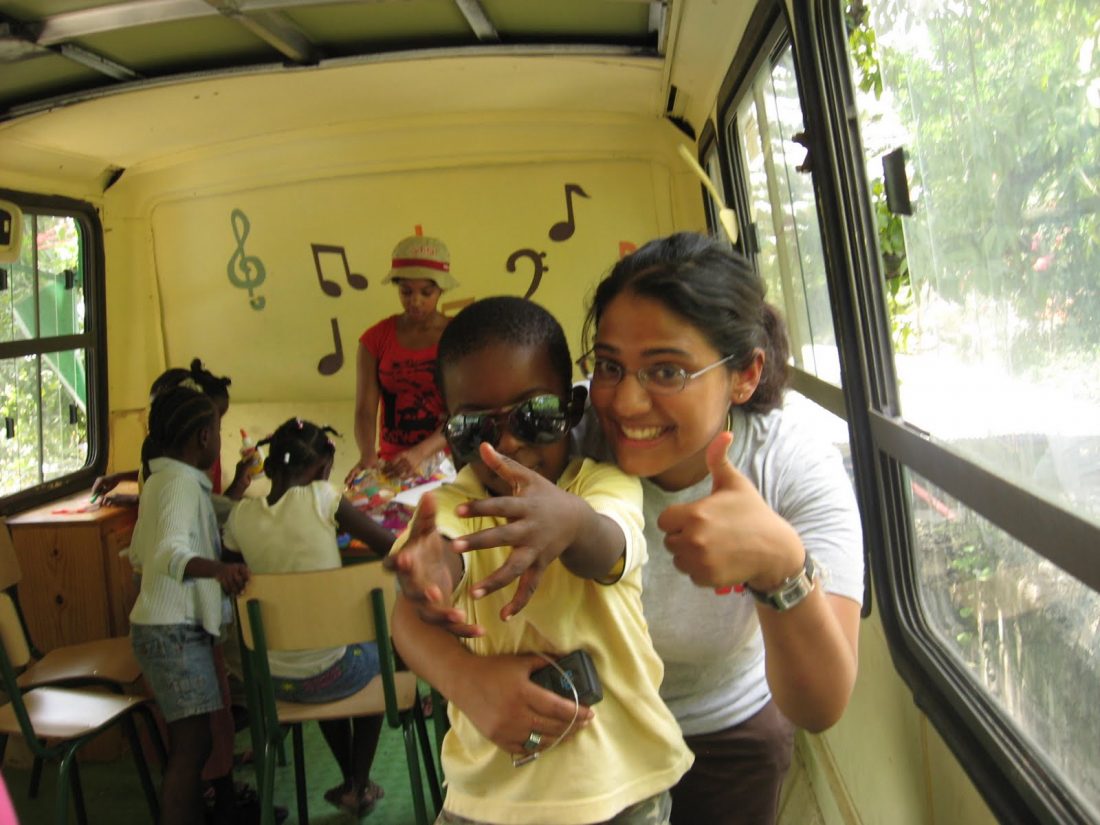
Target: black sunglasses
{"x": 543, "y": 419}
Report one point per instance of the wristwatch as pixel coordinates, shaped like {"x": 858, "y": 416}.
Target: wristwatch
{"x": 790, "y": 592}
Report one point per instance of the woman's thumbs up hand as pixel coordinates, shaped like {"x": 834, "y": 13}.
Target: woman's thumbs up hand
{"x": 731, "y": 536}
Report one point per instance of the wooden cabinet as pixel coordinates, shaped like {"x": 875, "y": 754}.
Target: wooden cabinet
{"x": 75, "y": 586}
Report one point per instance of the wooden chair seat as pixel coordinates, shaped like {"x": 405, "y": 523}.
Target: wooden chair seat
{"x": 96, "y": 662}
{"x": 60, "y": 713}
{"x": 370, "y": 701}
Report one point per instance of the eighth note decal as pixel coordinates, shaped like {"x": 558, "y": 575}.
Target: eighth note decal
{"x": 563, "y": 230}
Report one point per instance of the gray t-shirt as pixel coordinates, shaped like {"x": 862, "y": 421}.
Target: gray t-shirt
{"x": 710, "y": 643}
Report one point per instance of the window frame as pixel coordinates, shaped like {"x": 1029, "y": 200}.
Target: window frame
{"x": 1013, "y": 779}
{"x": 767, "y": 36}
{"x": 93, "y": 342}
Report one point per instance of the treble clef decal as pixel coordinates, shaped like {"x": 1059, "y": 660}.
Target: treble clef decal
{"x": 245, "y": 271}
{"x": 536, "y": 259}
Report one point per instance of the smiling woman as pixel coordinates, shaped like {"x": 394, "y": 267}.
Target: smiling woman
{"x": 763, "y": 507}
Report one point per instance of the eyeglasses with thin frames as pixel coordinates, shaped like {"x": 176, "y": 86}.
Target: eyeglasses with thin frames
{"x": 661, "y": 379}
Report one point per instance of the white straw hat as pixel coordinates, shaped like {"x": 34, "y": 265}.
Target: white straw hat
{"x": 422, "y": 257}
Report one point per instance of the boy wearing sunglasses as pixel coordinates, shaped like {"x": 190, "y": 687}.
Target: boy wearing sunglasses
{"x": 504, "y": 371}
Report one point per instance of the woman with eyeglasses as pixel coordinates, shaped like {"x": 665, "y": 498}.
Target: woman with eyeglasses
{"x": 688, "y": 370}
{"x": 754, "y": 580}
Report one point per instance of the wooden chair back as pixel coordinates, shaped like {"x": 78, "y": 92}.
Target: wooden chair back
{"x": 319, "y": 609}
{"x": 11, "y": 633}
{"x": 323, "y": 608}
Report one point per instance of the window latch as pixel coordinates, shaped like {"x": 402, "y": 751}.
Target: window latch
{"x": 896, "y": 183}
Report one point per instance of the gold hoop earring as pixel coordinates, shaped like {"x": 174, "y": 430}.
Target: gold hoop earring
{"x": 729, "y": 419}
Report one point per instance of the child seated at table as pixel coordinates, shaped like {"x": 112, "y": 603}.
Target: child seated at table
{"x": 294, "y": 529}
{"x": 574, "y": 529}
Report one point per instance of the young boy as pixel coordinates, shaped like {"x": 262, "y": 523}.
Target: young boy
{"x": 504, "y": 372}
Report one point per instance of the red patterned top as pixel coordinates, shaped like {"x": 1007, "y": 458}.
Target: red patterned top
{"x": 412, "y": 408}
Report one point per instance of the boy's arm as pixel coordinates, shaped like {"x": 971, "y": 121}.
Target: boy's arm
{"x": 361, "y": 526}
{"x": 544, "y": 522}
{"x": 428, "y": 571}
{"x": 495, "y": 692}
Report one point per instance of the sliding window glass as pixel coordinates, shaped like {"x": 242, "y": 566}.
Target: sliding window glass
{"x": 988, "y": 116}
{"x": 764, "y": 126}
{"x": 47, "y": 340}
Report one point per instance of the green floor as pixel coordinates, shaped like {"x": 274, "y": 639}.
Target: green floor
{"x": 113, "y": 791}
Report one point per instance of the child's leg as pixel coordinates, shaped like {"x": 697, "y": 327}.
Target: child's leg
{"x": 218, "y": 770}
{"x": 366, "y": 732}
{"x": 178, "y": 662}
{"x": 337, "y": 733}
{"x": 181, "y": 799}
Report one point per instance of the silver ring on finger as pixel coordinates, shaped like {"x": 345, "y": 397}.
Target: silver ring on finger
{"x": 533, "y": 740}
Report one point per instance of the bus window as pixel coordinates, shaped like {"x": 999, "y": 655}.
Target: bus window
{"x": 765, "y": 124}
{"x": 764, "y": 151}
{"x": 46, "y": 342}
{"x": 993, "y": 288}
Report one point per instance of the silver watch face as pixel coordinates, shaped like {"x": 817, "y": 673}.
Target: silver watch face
{"x": 793, "y": 593}
{"x": 793, "y": 590}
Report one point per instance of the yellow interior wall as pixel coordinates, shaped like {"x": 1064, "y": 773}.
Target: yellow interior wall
{"x": 185, "y": 239}
{"x": 271, "y": 340}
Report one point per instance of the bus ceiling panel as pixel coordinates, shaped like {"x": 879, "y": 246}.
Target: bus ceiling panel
{"x": 174, "y": 40}
{"x": 694, "y": 52}
{"x": 42, "y": 74}
{"x": 205, "y": 112}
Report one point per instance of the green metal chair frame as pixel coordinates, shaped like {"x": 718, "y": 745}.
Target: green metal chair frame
{"x": 28, "y": 706}
{"x": 270, "y": 615}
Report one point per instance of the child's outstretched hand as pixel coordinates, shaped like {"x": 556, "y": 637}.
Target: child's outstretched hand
{"x": 232, "y": 577}
{"x": 543, "y": 521}
{"x": 427, "y": 570}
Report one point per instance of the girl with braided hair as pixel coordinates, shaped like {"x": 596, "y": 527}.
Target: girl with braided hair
{"x": 294, "y": 529}
{"x": 196, "y": 377}
{"x": 182, "y": 606}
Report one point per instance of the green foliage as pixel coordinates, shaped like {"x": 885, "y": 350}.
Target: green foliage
{"x": 863, "y": 47}
{"x": 43, "y": 394}
{"x": 1001, "y": 99}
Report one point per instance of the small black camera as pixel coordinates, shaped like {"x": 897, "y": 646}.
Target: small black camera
{"x": 576, "y": 668}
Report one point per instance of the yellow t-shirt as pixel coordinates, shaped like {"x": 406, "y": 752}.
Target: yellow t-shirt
{"x": 633, "y": 749}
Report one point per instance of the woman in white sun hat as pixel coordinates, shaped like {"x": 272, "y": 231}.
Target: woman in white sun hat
{"x": 396, "y": 365}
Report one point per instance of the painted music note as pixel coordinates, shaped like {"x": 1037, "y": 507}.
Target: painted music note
{"x": 332, "y": 362}
{"x": 536, "y": 259}
{"x": 245, "y": 271}
{"x": 330, "y": 287}
{"x": 563, "y": 230}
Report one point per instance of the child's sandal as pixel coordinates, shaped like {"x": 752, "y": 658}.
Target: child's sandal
{"x": 362, "y": 803}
